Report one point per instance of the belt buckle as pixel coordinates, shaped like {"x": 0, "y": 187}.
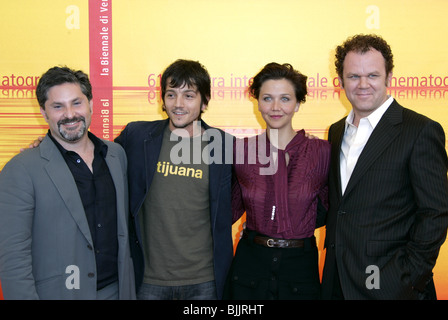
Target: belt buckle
{"x": 269, "y": 243}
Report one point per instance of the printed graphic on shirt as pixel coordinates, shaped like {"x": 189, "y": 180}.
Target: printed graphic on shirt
{"x": 166, "y": 168}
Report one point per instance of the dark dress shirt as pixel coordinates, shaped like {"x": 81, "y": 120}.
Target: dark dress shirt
{"x": 97, "y": 192}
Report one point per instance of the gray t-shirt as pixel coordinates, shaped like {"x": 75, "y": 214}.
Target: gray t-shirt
{"x": 175, "y": 217}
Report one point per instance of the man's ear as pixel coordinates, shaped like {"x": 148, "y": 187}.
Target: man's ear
{"x": 203, "y": 107}
{"x": 341, "y": 82}
{"x": 44, "y": 114}
{"x": 389, "y": 79}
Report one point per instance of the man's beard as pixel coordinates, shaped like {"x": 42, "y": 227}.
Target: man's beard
{"x": 72, "y": 135}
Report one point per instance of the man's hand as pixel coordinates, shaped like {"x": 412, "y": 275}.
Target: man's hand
{"x": 310, "y": 136}
{"x": 35, "y": 144}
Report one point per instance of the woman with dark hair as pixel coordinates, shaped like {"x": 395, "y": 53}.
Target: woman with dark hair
{"x": 280, "y": 192}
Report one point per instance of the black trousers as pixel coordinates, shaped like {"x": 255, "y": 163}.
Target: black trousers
{"x": 260, "y": 272}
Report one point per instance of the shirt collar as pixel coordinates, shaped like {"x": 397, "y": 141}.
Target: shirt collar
{"x": 374, "y": 117}
{"x": 98, "y": 143}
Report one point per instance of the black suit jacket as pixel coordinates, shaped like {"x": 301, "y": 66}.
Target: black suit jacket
{"x": 394, "y": 213}
{"x": 142, "y": 141}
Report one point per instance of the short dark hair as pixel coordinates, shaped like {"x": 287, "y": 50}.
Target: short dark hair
{"x": 361, "y": 44}
{"x": 59, "y": 75}
{"x": 190, "y": 73}
{"x": 276, "y": 71}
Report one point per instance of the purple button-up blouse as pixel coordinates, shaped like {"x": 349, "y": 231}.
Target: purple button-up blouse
{"x": 281, "y": 203}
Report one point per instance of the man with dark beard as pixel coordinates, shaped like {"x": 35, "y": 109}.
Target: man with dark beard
{"x": 64, "y": 205}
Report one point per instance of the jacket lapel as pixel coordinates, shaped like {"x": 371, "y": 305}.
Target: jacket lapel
{"x": 215, "y": 168}
{"x": 152, "y": 147}
{"x": 335, "y": 139}
{"x": 215, "y": 171}
{"x": 62, "y": 178}
{"x": 382, "y": 136}
{"x": 116, "y": 172}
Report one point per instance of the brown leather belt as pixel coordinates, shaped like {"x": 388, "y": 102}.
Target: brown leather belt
{"x": 280, "y": 243}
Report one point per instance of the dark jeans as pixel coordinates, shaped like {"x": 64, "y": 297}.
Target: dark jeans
{"x": 201, "y": 291}
{"x": 259, "y": 272}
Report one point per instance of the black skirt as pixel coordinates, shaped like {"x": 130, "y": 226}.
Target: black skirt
{"x": 266, "y": 273}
